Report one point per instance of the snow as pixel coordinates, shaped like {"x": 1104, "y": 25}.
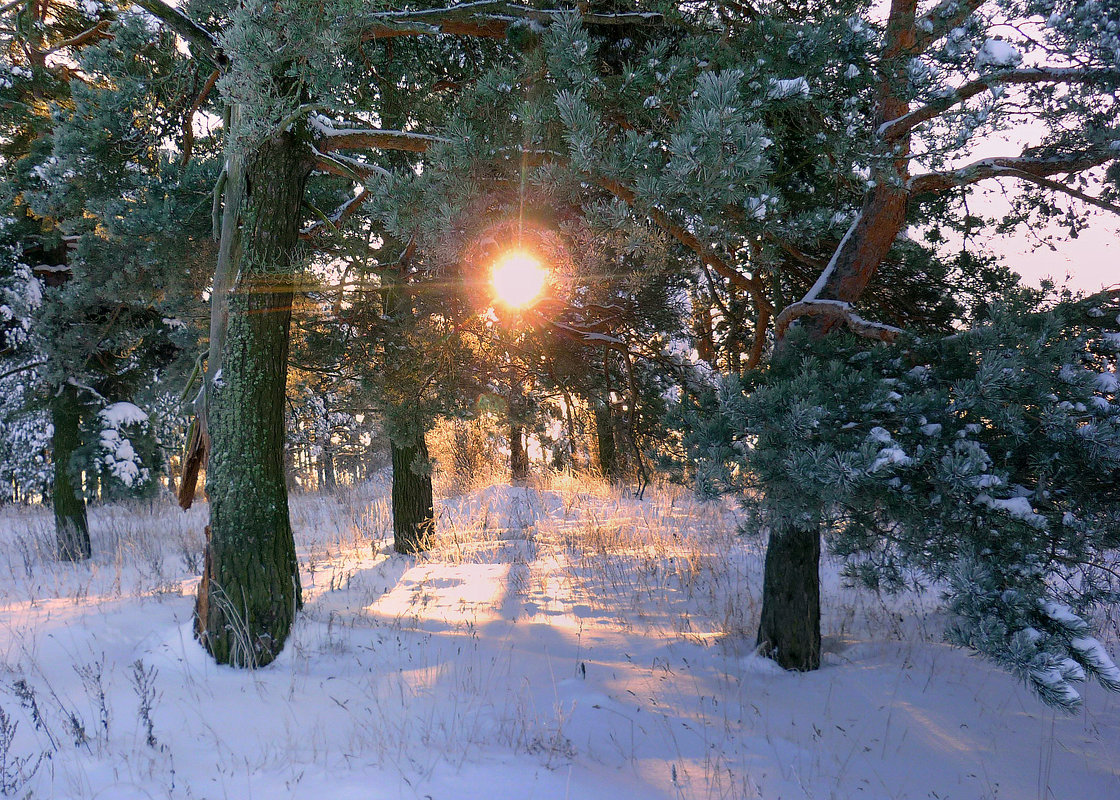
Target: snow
{"x": 561, "y": 642}
{"x": 888, "y": 456}
{"x": 786, "y": 88}
{"x": 1107, "y": 382}
{"x": 1094, "y": 654}
{"x": 116, "y": 452}
{"x": 879, "y": 434}
{"x": 1063, "y": 615}
{"x": 1015, "y": 507}
{"x": 119, "y": 414}
{"x": 998, "y": 53}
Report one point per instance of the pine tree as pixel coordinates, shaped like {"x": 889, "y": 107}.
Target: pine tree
{"x": 82, "y": 150}
{"x": 986, "y": 462}
{"x": 944, "y": 77}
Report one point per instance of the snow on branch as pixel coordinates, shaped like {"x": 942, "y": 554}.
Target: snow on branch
{"x": 483, "y": 19}
{"x": 180, "y": 23}
{"x": 900, "y": 126}
{"x": 330, "y": 221}
{"x": 1024, "y": 167}
{"x": 328, "y": 138}
{"x": 347, "y": 167}
{"x": 836, "y": 310}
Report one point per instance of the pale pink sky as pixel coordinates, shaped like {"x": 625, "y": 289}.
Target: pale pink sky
{"x": 1092, "y": 260}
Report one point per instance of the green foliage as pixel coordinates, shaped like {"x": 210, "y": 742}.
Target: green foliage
{"x": 987, "y": 462}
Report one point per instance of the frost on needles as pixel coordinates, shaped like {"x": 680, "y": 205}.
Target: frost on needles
{"x": 985, "y": 464}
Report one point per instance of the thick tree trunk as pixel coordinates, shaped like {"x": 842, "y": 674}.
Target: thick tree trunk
{"x": 413, "y": 507}
{"x": 70, "y": 524}
{"x": 790, "y": 629}
{"x": 604, "y": 437}
{"x": 250, "y": 590}
{"x": 518, "y": 455}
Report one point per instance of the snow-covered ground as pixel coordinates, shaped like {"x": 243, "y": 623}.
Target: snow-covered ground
{"x": 566, "y": 642}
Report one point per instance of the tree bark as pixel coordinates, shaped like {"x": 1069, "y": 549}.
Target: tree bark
{"x": 790, "y": 628}
{"x": 518, "y": 455}
{"x": 604, "y": 437}
{"x": 413, "y": 507}
{"x": 70, "y": 524}
{"x": 250, "y": 590}
{"x": 330, "y": 480}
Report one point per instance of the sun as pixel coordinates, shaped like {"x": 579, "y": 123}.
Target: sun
{"x": 518, "y": 277}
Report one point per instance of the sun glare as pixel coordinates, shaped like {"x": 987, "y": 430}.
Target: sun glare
{"x": 518, "y": 278}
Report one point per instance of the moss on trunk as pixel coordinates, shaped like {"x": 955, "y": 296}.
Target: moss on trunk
{"x": 250, "y": 590}
{"x": 70, "y": 524}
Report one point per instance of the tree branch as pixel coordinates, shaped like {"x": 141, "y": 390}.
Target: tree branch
{"x": 1024, "y": 167}
{"x": 347, "y": 167}
{"x": 487, "y": 19}
{"x": 331, "y": 221}
{"x": 1058, "y": 186}
{"x": 188, "y": 120}
{"x": 22, "y": 368}
{"x": 835, "y": 310}
{"x": 900, "y": 126}
{"x": 80, "y": 38}
{"x": 328, "y": 139}
{"x": 707, "y": 256}
{"x": 198, "y": 37}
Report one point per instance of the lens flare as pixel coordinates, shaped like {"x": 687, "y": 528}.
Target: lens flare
{"x": 518, "y": 278}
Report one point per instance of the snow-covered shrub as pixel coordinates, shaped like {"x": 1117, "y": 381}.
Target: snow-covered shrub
{"x": 987, "y": 461}
{"x": 125, "y": 454}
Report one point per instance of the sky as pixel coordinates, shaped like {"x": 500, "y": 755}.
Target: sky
{"x": 1091, "y": 261}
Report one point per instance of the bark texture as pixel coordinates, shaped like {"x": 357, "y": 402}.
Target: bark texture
{"x": 413, "y": 507}
{"x": 604, "y": 438}
{"x": 518, "y": 455}
{"x": 71, "y": 527}
{"x": 790, "y": 628}
{"x": 250, "y": 590}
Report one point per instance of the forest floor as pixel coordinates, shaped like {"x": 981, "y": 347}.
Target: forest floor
{"x": 558, "y": 642}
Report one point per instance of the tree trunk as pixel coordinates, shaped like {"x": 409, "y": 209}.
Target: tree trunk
{"x": 250, "y": 590}
{"x": 604, "y": 436}
{"x": 790, "y": 629}
{"x": 518, "y": 455}
{"x": 70, "y": 524}
{"x": 413, "y": 507}
{"x": 462, "y": 461}
{"x": 330, "y": 480}
{"x": 883, "y": 215}
{"x": 790, "y": 626}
